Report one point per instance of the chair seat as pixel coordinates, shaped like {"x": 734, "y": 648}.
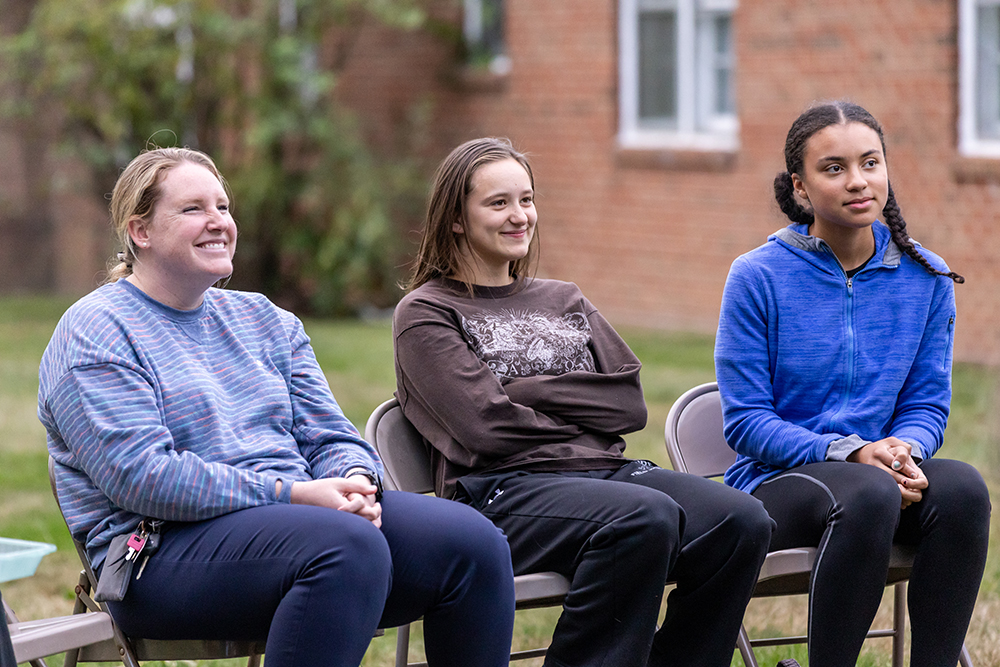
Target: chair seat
{"x": 786, "y": 572}
{"x": 155, "y": 649}
{"x": 541, "y": 589}
{"x": 48, "y": 636}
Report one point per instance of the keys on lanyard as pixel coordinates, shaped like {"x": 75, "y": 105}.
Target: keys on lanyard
{"x": 136, "y": 543}
{"x": 143, "y": 543}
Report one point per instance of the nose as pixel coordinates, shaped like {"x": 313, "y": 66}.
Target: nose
{"x": 856, "y": 180}
{"x": 216, "y": 219}
{"x": 519, "y": 216}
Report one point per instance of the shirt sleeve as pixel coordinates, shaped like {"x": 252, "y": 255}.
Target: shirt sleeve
{"x": 609, "y": 401}
{"x": 743, "y": 369}
{"x": 441, "y": 373}
{"x": 924, "y": 401}
{"x": 326, "y": 438}
{"x": 108, "y": 416}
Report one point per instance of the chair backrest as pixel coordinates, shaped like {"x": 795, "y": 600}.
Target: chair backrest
{"x": 81, "y": 550}
{"x": 402, "y": 449}
{"x": 693, "y": 433}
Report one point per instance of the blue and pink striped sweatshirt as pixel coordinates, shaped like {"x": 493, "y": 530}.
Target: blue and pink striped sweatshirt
{"x": 184, "y": 415}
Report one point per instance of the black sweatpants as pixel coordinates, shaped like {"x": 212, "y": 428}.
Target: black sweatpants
{"x": 851, "y": 512}
{"x": 620, "y": 536}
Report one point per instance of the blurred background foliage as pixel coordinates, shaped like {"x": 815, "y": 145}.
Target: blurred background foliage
{"x": 252, "y": 83}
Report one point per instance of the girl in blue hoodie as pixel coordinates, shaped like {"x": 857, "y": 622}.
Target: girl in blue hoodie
{"x": 833, "y": 359}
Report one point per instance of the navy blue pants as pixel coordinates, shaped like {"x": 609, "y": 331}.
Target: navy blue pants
{"x": 851, "y": 512}
{"x": 316, "y": 582}
{"x": 620, "y": 535}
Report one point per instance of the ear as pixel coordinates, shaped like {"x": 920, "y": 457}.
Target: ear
{"x": 457, "y": 227}
{"x": 138, "y": 231}
{"x": 799, "y": 186}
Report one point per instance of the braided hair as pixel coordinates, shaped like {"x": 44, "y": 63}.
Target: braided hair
{"x": 805, "y": 126}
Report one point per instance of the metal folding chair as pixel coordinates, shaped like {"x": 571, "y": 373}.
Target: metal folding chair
{"x": 408, "y": 468}
{"x": 696, "y": 444}
{"x": 130, "y": 651}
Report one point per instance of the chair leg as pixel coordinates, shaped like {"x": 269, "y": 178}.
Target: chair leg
{"x": 964, "y": 659}
{"x": 402, "y": 645}
{"x": 898, "y": 623}
{"x": 746, "y": 650}
{"x": 122, "y": 643}
{"x": 253, "y": 660}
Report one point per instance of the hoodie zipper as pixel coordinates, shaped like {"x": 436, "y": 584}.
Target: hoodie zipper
{"x": 851, "y": 339}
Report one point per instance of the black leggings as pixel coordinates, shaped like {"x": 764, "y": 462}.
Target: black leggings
{"x": 851, "y": 512}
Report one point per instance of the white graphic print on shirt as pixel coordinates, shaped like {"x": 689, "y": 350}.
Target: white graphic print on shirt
{"x": 526, "y": 343}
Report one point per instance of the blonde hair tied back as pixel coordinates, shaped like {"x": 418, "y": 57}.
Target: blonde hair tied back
{"x": 136, "y": 194}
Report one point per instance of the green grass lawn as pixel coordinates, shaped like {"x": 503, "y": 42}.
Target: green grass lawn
{"x": 357, "y": 359}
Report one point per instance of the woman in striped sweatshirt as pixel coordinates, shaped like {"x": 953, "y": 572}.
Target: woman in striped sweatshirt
{"x": 170, "y": 400}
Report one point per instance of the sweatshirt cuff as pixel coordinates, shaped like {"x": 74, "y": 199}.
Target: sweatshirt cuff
{"x": 840, "y": 449}
{"x": 916, "y": 450}
{"x": 285, "y": 496}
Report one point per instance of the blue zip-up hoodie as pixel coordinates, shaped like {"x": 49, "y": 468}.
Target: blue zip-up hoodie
{"x": 812, "y": 364}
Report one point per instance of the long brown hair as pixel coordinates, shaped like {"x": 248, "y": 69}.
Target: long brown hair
{"x": 438, "y": 255}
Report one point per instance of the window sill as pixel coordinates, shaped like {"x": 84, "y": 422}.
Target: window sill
{"x": 677, "y": 159}
{"x": 975, "y": 170}
{"x": 477, "y": 79}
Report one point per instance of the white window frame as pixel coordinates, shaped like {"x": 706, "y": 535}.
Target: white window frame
{"x": 696, "y": 128}
{"x": 970, "y": 142}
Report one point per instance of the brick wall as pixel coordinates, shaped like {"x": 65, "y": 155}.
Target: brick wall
{"x": 649, "y": 237}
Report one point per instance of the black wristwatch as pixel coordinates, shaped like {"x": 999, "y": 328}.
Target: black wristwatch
{"x": 372, "y": 477}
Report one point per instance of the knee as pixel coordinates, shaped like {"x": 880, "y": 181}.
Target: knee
{"x": 738, "y": 523}
{"x": 873, "y": 500}
{"x": 448, "y": 533}
{"x": 661, "y": 521}
{"x": 353, "y": 552}
{"x": 751, "y": 524}
{"x": 481, "y": 544}
{"x": 956, "y": 489}
{"x": 646, "y": 522}
{"x": 657, "y": 539}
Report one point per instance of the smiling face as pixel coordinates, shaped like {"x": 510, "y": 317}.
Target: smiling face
{"x": 188, "y": 242}
{"x": 844, "y": 178}
{"x": 498, "y": 224}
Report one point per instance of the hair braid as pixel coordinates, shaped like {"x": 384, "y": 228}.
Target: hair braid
{"x": 784, "y": 194}
{"x": 897, "y": 226}
{"x": 805, "y": 126}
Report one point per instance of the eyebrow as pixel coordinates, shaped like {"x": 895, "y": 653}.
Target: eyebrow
{"x": 199, "y": 199}
{"x": 506, "y": 193}
{"x": 837, "y": 158}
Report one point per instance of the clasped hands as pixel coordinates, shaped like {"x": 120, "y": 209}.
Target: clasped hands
{"x": 894, "y": 456}
{"x": 355, "y": 494}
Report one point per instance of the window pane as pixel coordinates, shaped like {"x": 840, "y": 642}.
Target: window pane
{"x": 988, "y": 69}
{"x": 725, "y": 96}
{"x": 493, "y": 41}
{"x": 658, "y": 66}
{"x": 484, "y": 36}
